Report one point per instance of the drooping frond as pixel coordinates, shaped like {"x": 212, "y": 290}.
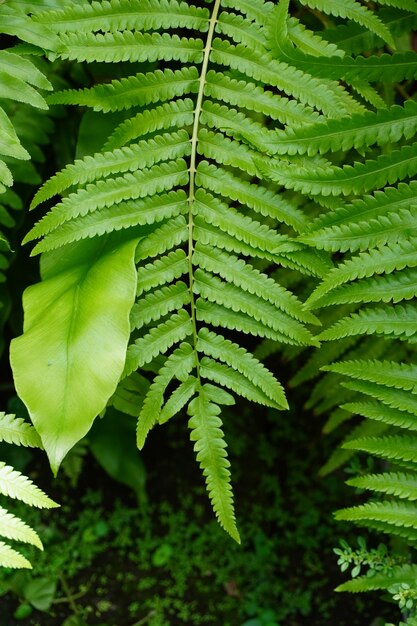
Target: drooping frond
{"x": 207, "y": 435}
{"x": 236, "y": 127}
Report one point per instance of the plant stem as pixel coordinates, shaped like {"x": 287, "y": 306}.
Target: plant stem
{"x": 193, "y": 168}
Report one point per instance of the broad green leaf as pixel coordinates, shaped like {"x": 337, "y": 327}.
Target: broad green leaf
{"x": 70, "y": 357}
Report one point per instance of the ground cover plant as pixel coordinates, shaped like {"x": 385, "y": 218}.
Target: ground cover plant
{"x": 227, "y": 193}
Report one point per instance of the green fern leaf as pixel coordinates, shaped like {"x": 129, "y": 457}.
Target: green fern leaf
{"x": 397, "y": 575}
{"x": 207, "y": 435}
{"x": 233, "y": 380}
{"x": 398, "y": 320}
{"x": 368, "y": 207}
{"x": 239, "y": 226}
{"x": 241, "y": 30}
{"x": 393, "y": 447}
{"x": 259, "y": 67}
{"x": 355, "y": 12}
{"x": 218, "y": 315}
{"x": 385, "y": 229}
{"x": 158, "y": 340}
{"x": 389, "y": 373}
{"x": 159, "y": 303}
{"x": 402, "y": 485}
{"x": 177, "y": 365}
{"x": 254, "y": 98}
{"x": 360, "y": 177}
{"x": 246, "y": 277}
{"x": 14, "y": 528}
{"x": 106, "y": 193}
{"x": 365, "y": 430}
{"x": 172, "y": 233}
{"x": 15, "y": 430}
{"x": 119, "y": 15}
{"x": 14, "y": 485}
{"x": 379, "y": 128}
{"x": 219, "y": 292}
{"x": 11, "y": 558}
{"x": 255, "y": 10}
{"x": 258, "y": 198}
{"x": 138, "y": 90}
{"x": 103, "y": 164}
{"x": 175, "y": 114}
{"x": 395, "y": 398}
{"x": 178, "y": 399}
{"x": 383, "y": 260}
{"x": 389, "y": 517}
{"x": 162, "y": 271}
{"x": 383, "y": 413}
{"x": 239, "y": 359}
{"x": 130, "y": 46}
{"x": 117, "y": 217}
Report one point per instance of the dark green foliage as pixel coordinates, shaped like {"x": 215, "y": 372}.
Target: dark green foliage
{"x": 250, "y": 180}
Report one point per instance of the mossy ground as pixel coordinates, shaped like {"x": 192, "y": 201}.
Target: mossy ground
{"x": 112, "y": 561}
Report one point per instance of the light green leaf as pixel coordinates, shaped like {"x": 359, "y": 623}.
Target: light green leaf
{"x": 76, "y": 332}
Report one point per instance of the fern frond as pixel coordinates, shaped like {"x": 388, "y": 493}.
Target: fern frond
{"x": 15, "y": 430}
{"x": 383, "y": 260}
{"x": 394, "y": 398}
{"x": 119, "y": 216}
{"x": 389, "y": 373}
{"x": 159, "y": 303}
{"x": 162, "y": 271}
{"x": 130, "y": 46}
{"x": 13, "y": 527}
{"x": 144, "y": 154}
{"x": 354, "y": 11}
{"x": 175, "y": 114}
{"x": 158, "y": 340}
{"x": 246, "y": 277}
{"x": 178, "y": 399}
{"x": 396, "y": 448}
{"x": 365, "y": 430}
{"x": 119, "y": 15}
{"x": 103, "y": 193}
{"x": 309, "y": 42}
{"x": 206, "y": 432}
{"x": 359, "y": 178}
{"x": 369, "y": 207}
{"x": 304, "y": 87}
{"x": 217, "y": 291}
{"x": 172, "y": 233}
{"x": 241, "y": 227}
{"x": 11, "y": 558}
{"x": 398, "y": 320}
{"x": 399, "y": 484}
{"x": 256, "y": 197}
{"x": 364, "y": 235}
{"x": 254, "y": 98}
{"x": 383, "y": 413}
{"x": 235, "y": 381}
{"x": 380, "y": 580}
{"x": 178, "y": 364}
{"x": 14, "y": 485}
{"x": 236, "y": 357}
{"x": 241, "y": 30}
{"x": 138, "y": 90}
{"x": 366, "y": 129}
{"x": 218, "y": 315}
{"x": 398, "y": 518}
{"x": 386, "y": 67}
